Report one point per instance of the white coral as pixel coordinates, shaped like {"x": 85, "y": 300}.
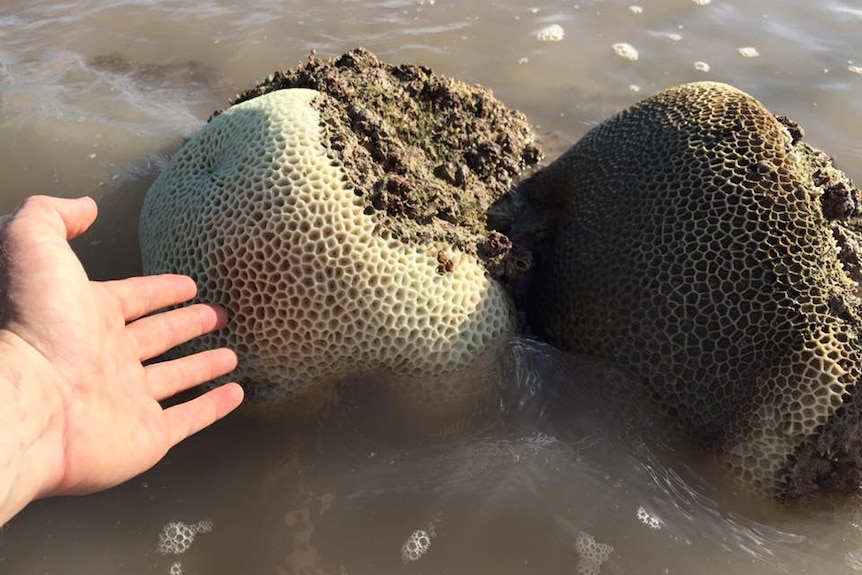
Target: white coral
{"x": 260, "y": 213}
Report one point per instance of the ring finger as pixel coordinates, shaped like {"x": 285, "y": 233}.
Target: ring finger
{"x": 158, "y": 333}
{"x": 168, "y": 378}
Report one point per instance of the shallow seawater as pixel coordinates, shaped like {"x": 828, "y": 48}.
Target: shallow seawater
{"x": 95, "y": 96}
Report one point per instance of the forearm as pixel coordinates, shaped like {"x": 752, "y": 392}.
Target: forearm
{"x": 30, "y": 436}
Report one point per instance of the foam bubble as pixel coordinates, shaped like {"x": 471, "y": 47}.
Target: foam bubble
{"x": 176, "y": 537}
{"x": 636, "y": 9}
{"x": 701, "y": 66}
{"x": 701, "y": 2}
{"x": 176, "y": 568}
{"x": 591, "y": 554}
{"x": 416, "y": 546}
{"x": 627, "y": 51}
{"x": 552, "y": 33}
{"x": 674, "y": 37}
{"x": 650, "y": 521}
{"x": 748, "y": 52}
{"x": 855, "y": 69}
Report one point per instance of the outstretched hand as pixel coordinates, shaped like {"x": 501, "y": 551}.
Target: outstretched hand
{"x": 79, "y": 411}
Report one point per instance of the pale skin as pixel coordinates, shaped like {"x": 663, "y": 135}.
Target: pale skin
{"x": 79, "y": 411}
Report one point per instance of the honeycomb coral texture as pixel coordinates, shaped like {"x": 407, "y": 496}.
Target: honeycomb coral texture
{"x": 264, "y": 218}
{"x": 694, "y": 250}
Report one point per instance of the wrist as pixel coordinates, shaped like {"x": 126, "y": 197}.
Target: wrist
{"x": 31, "y": 427}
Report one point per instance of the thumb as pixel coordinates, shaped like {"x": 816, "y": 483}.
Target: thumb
{"x": 75, "y": 215}
{"x": 67, "y": 218}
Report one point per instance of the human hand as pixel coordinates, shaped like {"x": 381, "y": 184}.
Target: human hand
{"x": 74, "y": 395}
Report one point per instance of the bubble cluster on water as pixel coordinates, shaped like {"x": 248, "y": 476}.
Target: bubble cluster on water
{"x": 419, "y": 542}
{"x": 748, "y": 52}
{"x": 552, "y": 33}
{"x": 176, "y": 537}
{"x": 591, "y": 554}
{"x": 627, "y": 51}
{"x": 416, "y": 546}
{"x": 647, "y": 519}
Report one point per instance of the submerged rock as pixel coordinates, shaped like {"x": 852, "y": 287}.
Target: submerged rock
{"x": 154, "y": 76}
{"x": 701, "y": 243}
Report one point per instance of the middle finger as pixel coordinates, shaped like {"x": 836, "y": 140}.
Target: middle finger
{"x": 158, "y": 333}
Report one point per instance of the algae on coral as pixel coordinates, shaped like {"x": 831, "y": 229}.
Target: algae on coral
{"x": 429, "y": 154}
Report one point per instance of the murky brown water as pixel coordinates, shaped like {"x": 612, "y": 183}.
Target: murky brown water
{"x": 337, "y": 500}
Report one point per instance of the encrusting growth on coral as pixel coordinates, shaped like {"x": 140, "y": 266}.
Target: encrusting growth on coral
{"x": 429, "y": 154}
